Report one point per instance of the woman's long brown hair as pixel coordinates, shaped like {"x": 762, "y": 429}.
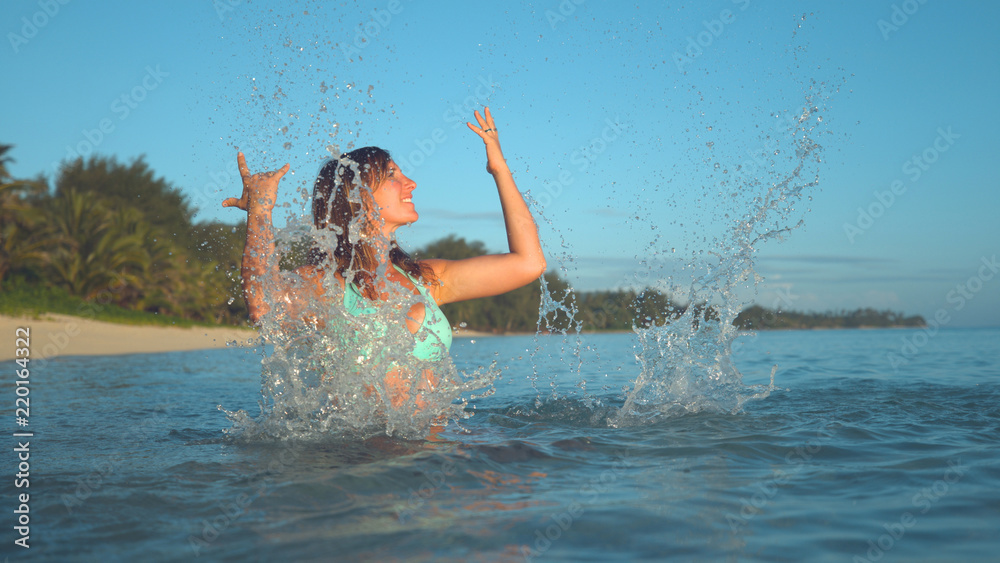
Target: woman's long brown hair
{"x": 342, "y": 200}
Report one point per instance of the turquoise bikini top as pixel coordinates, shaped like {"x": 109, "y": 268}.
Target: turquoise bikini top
{"x": 432, "y": 339}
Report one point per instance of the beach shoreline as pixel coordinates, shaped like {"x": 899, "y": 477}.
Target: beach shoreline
{"x": 52, "y": 335}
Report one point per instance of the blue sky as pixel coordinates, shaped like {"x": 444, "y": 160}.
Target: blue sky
{"x": 627, "y": 147}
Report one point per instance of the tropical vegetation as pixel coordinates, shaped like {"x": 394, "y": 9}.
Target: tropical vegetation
{"x": 114, "y": 235}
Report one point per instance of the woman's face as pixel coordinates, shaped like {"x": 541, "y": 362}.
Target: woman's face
{"x": 394, "y": 200}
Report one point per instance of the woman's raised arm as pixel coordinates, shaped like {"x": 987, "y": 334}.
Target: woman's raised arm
{"x": 259, "y": 194}
{"x": 484, "y": 276}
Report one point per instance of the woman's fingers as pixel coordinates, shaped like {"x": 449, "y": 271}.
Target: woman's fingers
{"x": 241, "y": 161}
{"x": 280, "y": 173}
{"x": 486, "y": 125}
{"x": 254, "y": 184}
{"x": 239, "y": 202}
{"x": 245, "y": 170}
{"x": 484, "y": 122}
{"x": 487, "y": 131}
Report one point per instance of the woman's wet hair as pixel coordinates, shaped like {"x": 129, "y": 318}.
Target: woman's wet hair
{"x": 342, "y": 201}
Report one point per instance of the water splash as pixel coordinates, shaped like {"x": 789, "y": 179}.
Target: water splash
{"x": 315, "y": 384}
{"x": 686, "y": 364}
{"x": 684, "y": 358}
{"x": 303, "y": 103}
{"x": 334, "y": 373}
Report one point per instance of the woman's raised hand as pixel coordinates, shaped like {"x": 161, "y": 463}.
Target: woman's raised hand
{"x": 487, "y": 131}
{"x": 259, "y": 190}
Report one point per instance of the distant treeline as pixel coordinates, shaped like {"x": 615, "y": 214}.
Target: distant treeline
{"x": 617, "y": 310}
{"x": 759, "y": 318}
{"x": 113, "y": 234}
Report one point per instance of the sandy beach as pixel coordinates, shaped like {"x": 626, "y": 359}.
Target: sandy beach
{"x": 63, "y": 335}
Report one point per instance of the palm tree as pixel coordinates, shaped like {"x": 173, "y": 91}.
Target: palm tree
{"x": 4, "y": 159}
{"x": 133, "y": 185}
{"x": 95, "y": 249}
{"x": 18, "y": 248}
{"x": 18, "y": 220}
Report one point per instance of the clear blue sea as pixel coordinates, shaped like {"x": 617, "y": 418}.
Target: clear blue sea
{"x": 848, "y": 460}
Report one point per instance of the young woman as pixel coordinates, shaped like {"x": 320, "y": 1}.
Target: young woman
{"x": 363, "y": 198}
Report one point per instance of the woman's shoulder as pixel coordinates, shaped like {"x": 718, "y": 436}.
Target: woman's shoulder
{"x": 431, "y": 269}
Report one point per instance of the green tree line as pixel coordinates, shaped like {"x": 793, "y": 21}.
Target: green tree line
{"x": 758, "y": 318}
{"x": 617, "y": 310}
{"x": 115, "y": 234}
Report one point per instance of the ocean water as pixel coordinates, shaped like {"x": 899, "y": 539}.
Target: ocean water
{"x": 847, "y": 459}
